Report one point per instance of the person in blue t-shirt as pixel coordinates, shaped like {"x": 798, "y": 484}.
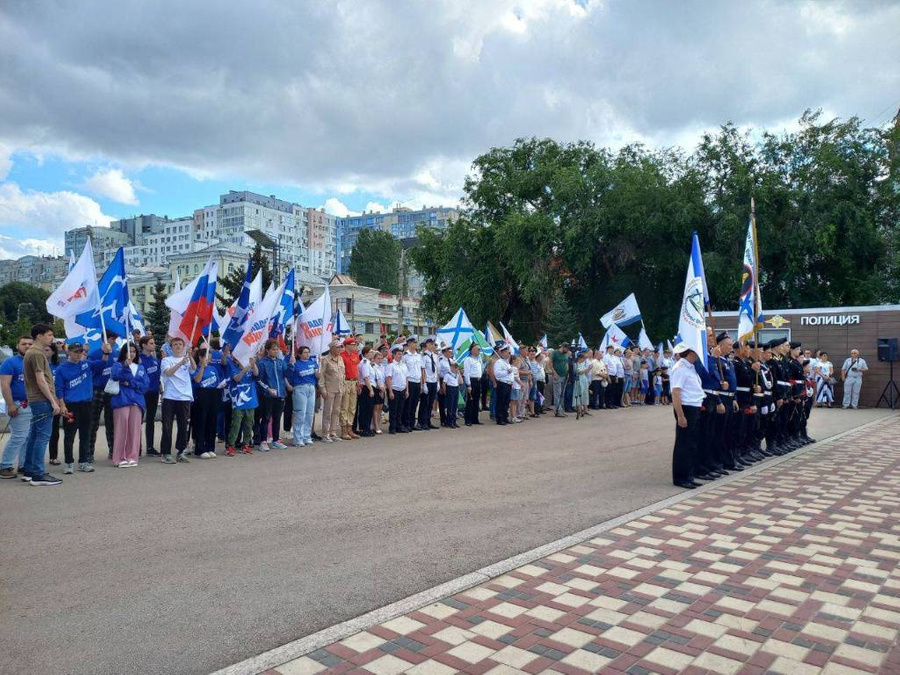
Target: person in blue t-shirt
{"x": 74, "y": 389}
{"x": 205, "y": 380}
{"x": 101, "y": 360}
{"x": 12, "y": 384}
{"x": 151, "y": 397}
{"x": 244, "y": 402}
{"x": 303, "y": 377}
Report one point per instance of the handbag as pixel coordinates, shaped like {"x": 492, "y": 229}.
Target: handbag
{"x": 112, "y": 387}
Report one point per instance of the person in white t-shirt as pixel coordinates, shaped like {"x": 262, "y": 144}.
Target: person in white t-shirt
{"x": 397, "y": 386}
{"x": 177, "y": 398}
{"x": 687, "y": 398}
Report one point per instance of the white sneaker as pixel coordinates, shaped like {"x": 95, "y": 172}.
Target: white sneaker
{"x": 69, "y": 468}
{"x": 279, "y": 445}
{"x": 132, "y": 462}
{"x": 212, "y": 454}
{"x": 264, "y": 446}
{"x": 206, "y": 455}
{"x": 308, "y": 442}
{"x": 123, "y": 464}
{"x": 327, "y": 439}
{"x": 335, "y": 437}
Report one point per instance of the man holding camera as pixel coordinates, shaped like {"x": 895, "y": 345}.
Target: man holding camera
{"x": 852, "y": 376}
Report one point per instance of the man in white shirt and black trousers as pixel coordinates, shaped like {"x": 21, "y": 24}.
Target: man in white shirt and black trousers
{"x": 687, "y": 398}
{"x": 443, "y": 368}
{"x": 472, "y": 372}
{"x": 415, "y": 373}
{"x": 430, "y": 386}
{"x": 504, "y": 375}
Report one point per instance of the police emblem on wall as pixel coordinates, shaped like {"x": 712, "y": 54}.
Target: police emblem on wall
{"x": 777, "y": 321}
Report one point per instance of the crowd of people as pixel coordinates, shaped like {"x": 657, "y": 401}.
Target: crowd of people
{"x": 207, "y": 399}
{"x": 746, "y": 394}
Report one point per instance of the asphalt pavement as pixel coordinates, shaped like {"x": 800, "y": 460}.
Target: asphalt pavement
{"x": 188, "y": 568}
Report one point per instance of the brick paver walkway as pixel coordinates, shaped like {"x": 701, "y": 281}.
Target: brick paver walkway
{"x": 792, "y": 570}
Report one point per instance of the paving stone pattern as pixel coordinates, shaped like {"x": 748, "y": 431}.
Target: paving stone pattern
{"x": 793, "y": 570}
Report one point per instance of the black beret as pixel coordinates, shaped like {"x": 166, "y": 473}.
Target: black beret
{"x": 721, "y": 337}
{"x": 795, "y": 345}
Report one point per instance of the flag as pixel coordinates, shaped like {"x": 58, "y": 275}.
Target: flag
{"x": 614, "y": 337}
{"x": 196, "y": 303}
{"x": 77, "y": 293}
{"x": 240, "y": 310}
{"x": 110, "y": 313}
{"x": 341, "y": 327}
{"x": 314, "y": 327}
{"x": 691, "y": 319}
{"x": 256, "y": 329}
{"x": 135, "y": 320}
{"x": 670, "y": 346}
{"x": 750, "y": 315}
{"x": 582, "y": 345}
{"x": 623, "y": 314}
{"x": 492, "y": 336}
{"x": 508, "y": 339}
{"x": 543, "y": 342}
{"x": 284, "y": 309}
{"x": 644, "y": 340}
{"x": 475, "y": 338}
{"x": 457, "y": 330}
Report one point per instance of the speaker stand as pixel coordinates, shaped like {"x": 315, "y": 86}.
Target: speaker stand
{"x": 891, "y": 393}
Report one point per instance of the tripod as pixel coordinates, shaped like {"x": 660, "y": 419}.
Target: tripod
{"x": 891, "y": 393}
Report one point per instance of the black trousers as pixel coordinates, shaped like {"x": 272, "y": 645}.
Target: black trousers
{"x": 596, "y": 394}
{"x": 426, "y": 403}
{"x": 684, "y": 455}
{"x": 504, "y": 394}
{"x": 442, "y": 406}
{"x": 54, "y": 437}
{"x": 102, "y": 405}
{"x": 365, "y": 407}
{"x": 538, "y": 406}
{"x": 288, "y": 413}
{"x": 396, "y": 409}
{"x": 707, "y": 456}
{"x": 612, "y": 391}
{"x": 409, "y": 406}
{"x": 151, "y": 403}
{"x": 452, "y": 398}
{"x": 473, "y": 400}
{"x": 177, "y": 412}
{"x": 270, "y": 408}
{"x": 206, "y": 410}
{"x": 484, "y": 389}
{"x": 80, "y": 424}
{"x": 724, "y": 451}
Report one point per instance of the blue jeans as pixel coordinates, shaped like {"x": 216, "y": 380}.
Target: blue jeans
{"x": 19, "y": 427}
{"x": 304, "y": 401}
{"x": 38, "y": 438}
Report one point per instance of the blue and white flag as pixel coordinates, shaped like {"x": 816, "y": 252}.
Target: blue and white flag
{"x": 582, "y": 345}
{"x": 240, "y": 310}
{"x": 284, "y": 310}
{"x": 644, "y": 340}
{"x": 670, "y": 346}
{"x": 135, "y": 320}
{"x": 750, "y": 314}
{"x": 623, "y": 314}
{"x": 508, "y": 339}
{"x": 341, "y": 325}
{"x": 111, "y": 314}
{"x": 691, "y": 318}
{"x": 615, "y": 337}
{"x": 544, "y": 343}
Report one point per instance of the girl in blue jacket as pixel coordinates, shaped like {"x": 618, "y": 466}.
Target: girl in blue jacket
{"x": 128, "y": 406}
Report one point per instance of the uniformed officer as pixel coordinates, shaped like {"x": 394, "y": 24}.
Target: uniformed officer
{"x": 797, "y": 427}
{"x": 766, "y": 402}
{"x": 708, "y": 464}
{"x": 782, "y": 396}
{"x": 744, "y": 422}
{"x": 724, "y": 369}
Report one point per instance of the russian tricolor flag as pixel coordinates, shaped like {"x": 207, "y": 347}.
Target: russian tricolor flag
{"x": 195, "y": 303}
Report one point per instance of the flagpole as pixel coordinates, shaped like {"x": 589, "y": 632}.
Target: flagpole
{"x": 755, "y": 282}
{"x": 102, "y": 322}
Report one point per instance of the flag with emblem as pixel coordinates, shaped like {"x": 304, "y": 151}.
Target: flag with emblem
{"x": 750, "y": 314}
{"x": 691, "y": 317}
{"x": 615, "y": 337}
{"x": 110, "y": 314}
{"x": 625, "y": 313}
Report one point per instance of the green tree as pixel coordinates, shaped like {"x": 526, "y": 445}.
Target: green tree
{"x": 231, "y": 284}
{"x": 375, "y": 261}
{"x": 561, "y": 324}
{"x": 157, "y": 316}
{"x": 21, "y": 306}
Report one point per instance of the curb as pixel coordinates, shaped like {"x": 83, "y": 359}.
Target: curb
{"x": 310, "y": 643}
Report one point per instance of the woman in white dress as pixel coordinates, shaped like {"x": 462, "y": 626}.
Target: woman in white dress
{"x": 824, "y": 388}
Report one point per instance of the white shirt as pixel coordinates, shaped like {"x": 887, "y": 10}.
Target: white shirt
{"x": 503, "y": 371}
{"x": 860, "y": 366}
{"x": 620, "y": 366}
{"x": 684, "y": 377}
{"x": 379, "y": 375}
{"x": 612, "y": 364}
{"x": 430, "y": 362}
{"x": 413, "y": 363}
{"x": 366, "y": 373}
{"x": 176, "y": 387}
{"x": 398, "y": 374}
{"x": 451, "y": 379}
{"x": 443, "y": 367}
{"x": 472, "y": 369}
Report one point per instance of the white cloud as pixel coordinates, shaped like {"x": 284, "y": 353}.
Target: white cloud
{"x": 44, "y": 216}
{"x": 401, "y": 110}
{"x": 12, "y": 248}
{"x": 112, "y": 184}
{"x": 5, "y": 160}
{"x": 335, "y": 206}
{"x": 376, "y": 207}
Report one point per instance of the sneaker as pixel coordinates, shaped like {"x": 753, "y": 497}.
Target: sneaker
{"x": 264, "y": 447}
{"x": 247, "y": 450}
{"x": 182, "y": 458}
{"x": 87, "y": 467}
{"x": 212, "y": 454}
{"x": 206, "y": 455}
{"x": 168, "y": 459}
{"x": 279, "y": 445}
{"x": 25, "y": 478}
{"x": 229, "y": 451}
{"x": 152, "y": 452}
{"x": 69, "y": 468}
{"x": 132, "y": 462}
{"x": 123, "y": 464}
{"x": 327, "y": 439}
{"x": 335, "y": 437}
{"x": 308, "y": 442}
{"x": 45, "y": 480}
{"x": 8, "y": 472}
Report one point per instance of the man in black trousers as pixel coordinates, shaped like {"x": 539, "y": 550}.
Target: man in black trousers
{"x": 687, "y": 398}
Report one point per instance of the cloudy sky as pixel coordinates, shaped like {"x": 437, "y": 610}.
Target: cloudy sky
{"x": 112, "y": 108}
